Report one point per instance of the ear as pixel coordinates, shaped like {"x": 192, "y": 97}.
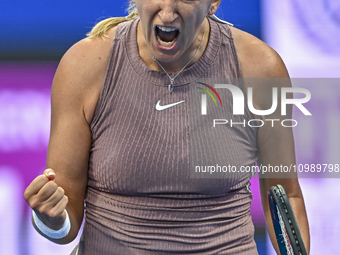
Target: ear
{"x": 214, "y": 6}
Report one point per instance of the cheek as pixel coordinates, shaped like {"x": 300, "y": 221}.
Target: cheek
{"x": 146, "y": 13}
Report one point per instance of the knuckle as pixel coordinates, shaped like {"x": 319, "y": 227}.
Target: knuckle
{"x": 50, "y": 214}
{"x": 53, "y": 213}
{"x": 59, "y": 194}
{"x": 52, "y": 185}
{"x": 40, "y": 198}
{"x": 27, "y": 194}
{"x": 43, "y": 210}
{"x": 61, "y": 190}
{"x": 34, "y": 203}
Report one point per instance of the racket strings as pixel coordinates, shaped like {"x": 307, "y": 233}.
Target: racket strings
{"x": 284, "y": 234}
{"x": 279, "y": 191}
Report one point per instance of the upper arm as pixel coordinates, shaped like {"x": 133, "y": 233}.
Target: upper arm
{"x": 75, "y": 91}
{"x": 263, "y": 69}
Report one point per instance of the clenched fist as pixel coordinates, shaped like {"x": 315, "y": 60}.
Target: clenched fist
{"x": 47, "y": 199}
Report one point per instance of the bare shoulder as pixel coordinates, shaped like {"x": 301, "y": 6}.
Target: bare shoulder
{"x": 257, "y": 59}
{"x": 81, "y": 72}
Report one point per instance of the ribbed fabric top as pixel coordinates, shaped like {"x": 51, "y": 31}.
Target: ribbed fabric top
{"x": 141, "y": 197}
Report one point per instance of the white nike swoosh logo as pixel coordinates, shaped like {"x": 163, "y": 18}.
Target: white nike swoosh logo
{"x": 163, "y": 107}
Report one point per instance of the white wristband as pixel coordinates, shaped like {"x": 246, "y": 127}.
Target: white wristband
{"x": 55, "y": 234}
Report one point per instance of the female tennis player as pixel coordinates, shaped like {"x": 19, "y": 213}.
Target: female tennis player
{"x": 123, "y": 137}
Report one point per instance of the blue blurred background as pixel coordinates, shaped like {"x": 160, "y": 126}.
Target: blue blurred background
{"x": 35, "y": 34}
{"x": 46, "y": 29}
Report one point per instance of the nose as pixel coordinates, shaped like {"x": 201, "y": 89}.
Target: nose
{"x": 168, "y": 11}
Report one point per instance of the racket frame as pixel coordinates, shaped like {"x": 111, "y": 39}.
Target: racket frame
{"x": 280, "y": 208}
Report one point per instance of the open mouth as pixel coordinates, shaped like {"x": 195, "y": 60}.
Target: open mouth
{"x": 166, "y": 36}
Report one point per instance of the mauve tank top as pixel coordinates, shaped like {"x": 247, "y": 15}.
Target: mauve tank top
{"x": 149, "y": 191}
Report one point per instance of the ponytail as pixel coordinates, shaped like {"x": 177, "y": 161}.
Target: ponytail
{"x": 100, "y": 29}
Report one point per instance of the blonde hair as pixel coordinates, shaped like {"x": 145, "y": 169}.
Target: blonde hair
{"x": 100, "y": 29}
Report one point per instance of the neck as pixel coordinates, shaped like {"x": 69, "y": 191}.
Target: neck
{"x": 176, "y": 65}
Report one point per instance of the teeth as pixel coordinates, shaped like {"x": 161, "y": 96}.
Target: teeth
{"x": 167, "y": 44}
{"x": 167, "y": 29}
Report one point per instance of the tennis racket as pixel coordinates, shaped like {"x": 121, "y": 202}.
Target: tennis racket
{"x": 286, "y": 228}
